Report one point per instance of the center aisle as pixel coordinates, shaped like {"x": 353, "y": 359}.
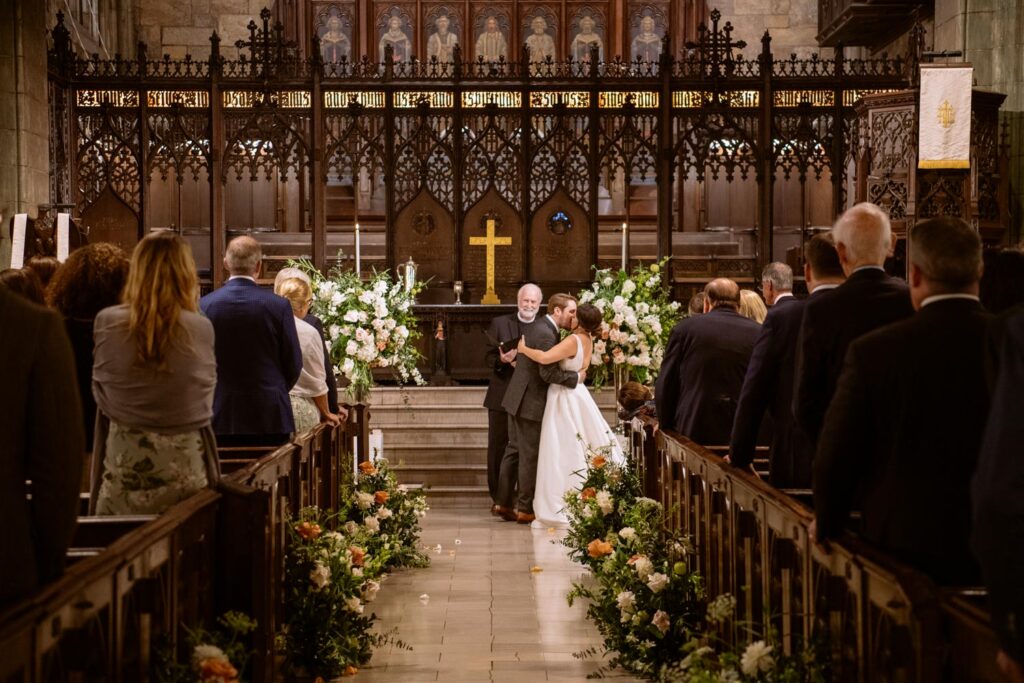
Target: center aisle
{"x": 496, "y": 609}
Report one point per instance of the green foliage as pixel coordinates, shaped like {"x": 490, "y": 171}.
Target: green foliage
{"x": 217, "y": 655}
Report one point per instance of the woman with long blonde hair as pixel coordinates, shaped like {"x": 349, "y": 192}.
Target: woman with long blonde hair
{"x": 154, "y": 375}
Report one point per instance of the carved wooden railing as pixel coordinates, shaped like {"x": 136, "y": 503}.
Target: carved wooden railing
{"x": 875, "y": 618}
{"x": 134, "y": 583}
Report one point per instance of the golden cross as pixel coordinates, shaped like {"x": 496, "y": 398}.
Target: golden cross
{"x": 490, "y": 241}
{"x": 947, "y": 115}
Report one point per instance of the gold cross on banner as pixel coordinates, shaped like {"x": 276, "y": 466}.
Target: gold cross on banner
{"x": 490, "y": 241}
{"x": 947, "y": 115}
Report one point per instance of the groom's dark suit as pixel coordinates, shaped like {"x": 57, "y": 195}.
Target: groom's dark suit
{"x": 525, "y": 398}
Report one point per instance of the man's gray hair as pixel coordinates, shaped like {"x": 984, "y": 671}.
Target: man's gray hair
{"x": 948, "y": 251}
{"x": 780, "y": 275}
{"x": 527, "y": 287}
{"x": 287, "y": 274}
{"x": 243, "y": 256}
{"x": 865, "y": 231}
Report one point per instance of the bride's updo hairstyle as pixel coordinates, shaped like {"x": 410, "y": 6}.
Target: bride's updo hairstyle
{"x": 589, "y": 317}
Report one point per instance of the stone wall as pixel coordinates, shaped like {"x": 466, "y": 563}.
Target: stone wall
{"x": 793, "y": 24}
{"x": 24, "y": 163}
{"x": 180, "y": 27}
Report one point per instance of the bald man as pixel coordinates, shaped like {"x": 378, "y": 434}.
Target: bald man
{"x": 705, "y": 362}
{"x": 867, "y": 300}
{"x": 502, "y": 338}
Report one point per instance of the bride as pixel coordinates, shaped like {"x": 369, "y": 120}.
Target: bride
{"x": 572, "y": 422}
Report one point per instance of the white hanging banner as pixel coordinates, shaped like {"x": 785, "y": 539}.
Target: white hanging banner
{"x": 18, "y": 240}
{"x": 376, "y": 445}
{"x": 945, "y": 117}
{"x": 63, "y": 236}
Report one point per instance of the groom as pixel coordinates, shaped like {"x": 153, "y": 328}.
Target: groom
{"x": 525, "y": 399}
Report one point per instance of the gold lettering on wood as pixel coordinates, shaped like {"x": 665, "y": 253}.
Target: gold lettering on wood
{"x": 571, "y": 99}
{"x": 334, "y": 99}
{"x": 115, "y": 98}
{"x": 503, "y": 99}
{"x": 189, "y": 99}
{"x": 642, "y": 99}
{"x": 410, "y": 99}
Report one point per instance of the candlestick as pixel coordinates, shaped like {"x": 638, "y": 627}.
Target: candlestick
{"x": 359, "y": 269}
{"x": 625, "y": 245}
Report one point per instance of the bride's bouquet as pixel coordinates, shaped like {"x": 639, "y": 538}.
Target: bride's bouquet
{"x": 639, "y": 314}
{"x": 367, "y": 324}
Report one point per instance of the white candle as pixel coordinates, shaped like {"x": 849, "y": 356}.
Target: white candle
{"x": 355, "y": 456}
{"x": 18, "y": 240}
{"x": 63, "y": 235}
{"x": 359, "y": 270}
{"x": 625, "y": 244}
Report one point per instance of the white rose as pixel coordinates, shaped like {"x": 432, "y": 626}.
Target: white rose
{"x": 384, "y": 513}
{"x": 657, "y": 582}
{"x": 661, "y": 621}
{"x": 351, "y": 348}
{"x": 202, "y": 652}
{"x": 372, "y": 524}
{"x": 364, "y": 500}
{"x": 351, "y": 528}
{"x": 354, "y": 604}
{"x": 626, "y": 601}
{"x": 618, "y": 304}
{"x": 369, "y": 591}
{"x": 351, "y": 316}
{"x": 367, "y": 297}
{"x": 320, "y": 576}
{"x": 628, "y": 287}
{"x": 402, "y": 331}
{"x": 337, "y": 298}
{"x": 604, "y": 502}
{"x": 757, "y": 658}
{"x": 347, "y": 367}
{"x": 607, "y": 282}
{"x": 644, "y": 568}
{"x": 627, "y": 533}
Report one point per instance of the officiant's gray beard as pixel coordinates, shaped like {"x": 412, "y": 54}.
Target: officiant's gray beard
{"x": 527, "y": 316}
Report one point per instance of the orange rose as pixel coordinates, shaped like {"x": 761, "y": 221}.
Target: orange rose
{"x": 598, "y": 461}
{"x": 381, "y": 346}
{"x": 357, "y": 555}
{"x": 598, "y": 548}
{"x": 350, "y": 671}
{"x": 380, "y": 497}
{"x": 367, "y": 467}
{"x": 588, "y": 493}
{"x": 631, "y": 561}
{"x": 217, "y": 668}
{"x": 308, "y": 530}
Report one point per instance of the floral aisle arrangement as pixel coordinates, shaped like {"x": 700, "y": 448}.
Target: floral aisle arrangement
{"x": 218, "y": 656}
{"x": 387, "y": 515}
{"x": 648, "y": 604}
{"x": 368, "y": 325}
{"x": 329, "y": 580}
{"x": 639, "y": 313}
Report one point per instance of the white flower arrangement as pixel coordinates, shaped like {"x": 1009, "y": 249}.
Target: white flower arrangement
{"x": 639, "y": 315}
{"x": 320, "y": 576}
{"x": 757, "y": 658}
{"x": 604, "y": 502}
{"x": 657, "y": 582}
{"x": 369, "y": 325}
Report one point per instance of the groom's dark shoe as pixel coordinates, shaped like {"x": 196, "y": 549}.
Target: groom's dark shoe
{"x": 505, "y": 513}
{"x": 525, "y": 517}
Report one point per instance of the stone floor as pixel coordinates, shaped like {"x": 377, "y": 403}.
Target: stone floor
{"x": 496, "y": 609}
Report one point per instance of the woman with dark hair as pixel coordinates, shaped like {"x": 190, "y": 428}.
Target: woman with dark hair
{"x": 636, "y": 400}
{"x": 154, "y": 378}
{"x": 90, "y": 280}
{"x": 45, "y": 267}
{"x": 573, "y": 431}
{"x": 24, "y": 283}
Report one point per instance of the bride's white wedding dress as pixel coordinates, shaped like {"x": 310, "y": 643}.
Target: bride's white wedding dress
{"x": 572, "y": 421}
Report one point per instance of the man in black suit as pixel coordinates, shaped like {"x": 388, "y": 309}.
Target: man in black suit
{"x": 258, "y": 354}
{"x": 903, "y": 430}
{"x": 777, "y": 283}
{"x": 768, "y": 385}
{"x": 867, "y": 300}
{"x": 705, "y": 362}
{"x": 43, "y": 441}
{"x": 502, "y": 337}
{"x": 997, "y": 493}
{"x": 525, "y": 399}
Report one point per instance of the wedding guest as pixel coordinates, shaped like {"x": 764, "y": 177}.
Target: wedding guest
{"x": 901, "y": 435}
{"x": 768, "y": 385}
{"x": 636, "y": 400}
{"x": 502, "y": 337}
{"x": 41, "y": 424}
{"x": 23, "y": 282}
{"x": 776, "y": 282}
{"x": 258, "y": 354}
{"x": 998, "y": 504}
{"x": 309, "y": 395}
{"x": 867, "y": 300}
{"x": 91, "y": 279}
{"x": 45, "y": 267}
{"x": 751, "y": 306}
{"x": 705, "y": 361}
{"x": 696, "y": 305}
{"x": 332, "y": 380}
{"x": 153, "y": 379}
{"x": 1002, "y": 283}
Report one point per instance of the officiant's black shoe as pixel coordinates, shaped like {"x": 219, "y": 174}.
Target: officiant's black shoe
{"x": 525, "y": 517}
{"x": 494, "y": 510}
{"x": 505, "y": 513}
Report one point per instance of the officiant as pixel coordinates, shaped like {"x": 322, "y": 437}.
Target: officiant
{"x": 502, "y": 339}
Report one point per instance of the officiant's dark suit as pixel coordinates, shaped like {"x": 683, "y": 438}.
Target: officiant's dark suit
{"x": 997, "y": 493}
{"x": 506, "y": 330}
{"x": 702, "y": 373}
{"x": 43, "y": 441}
{"x": 525, "y": 399}
{"x": 258, "y": 362}
{"x": 768, "y": 387}
{"x": 867, "y": 300}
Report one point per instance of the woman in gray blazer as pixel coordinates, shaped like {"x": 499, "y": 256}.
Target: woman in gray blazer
{"x": 154, "y": 375}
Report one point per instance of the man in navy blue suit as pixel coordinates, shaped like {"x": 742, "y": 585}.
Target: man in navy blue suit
{"x": 768, "y": 385}
{"x": 258, "y": 354}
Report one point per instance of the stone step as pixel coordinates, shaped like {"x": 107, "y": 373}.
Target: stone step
{"x": 445, "y": 436}
{"x": 415, "y": 455}
{"x": 433, "y": 474}
{"x": 458, "y": 497}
